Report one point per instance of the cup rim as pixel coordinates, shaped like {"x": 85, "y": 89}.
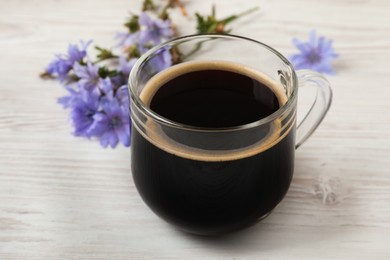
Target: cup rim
{"x": 135, "y": 99}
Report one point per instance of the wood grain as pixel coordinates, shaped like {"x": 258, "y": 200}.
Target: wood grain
{"x": 63, "y": 197}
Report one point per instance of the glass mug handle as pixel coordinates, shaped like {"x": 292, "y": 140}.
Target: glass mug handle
{"x": 320, "y": 106}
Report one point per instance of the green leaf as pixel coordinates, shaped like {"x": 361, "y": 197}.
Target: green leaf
{"x": 210, "y": 24}
{"x": 104, "y": 54}
{"x": 148, "y": 5}
{"x": 104, "y": 72}
{"x": 133, "y": 51}
{"x": 132, "y": 24}
{"x": 205, "y": 23}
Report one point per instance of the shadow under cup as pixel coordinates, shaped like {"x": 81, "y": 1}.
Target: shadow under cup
{"x": 204, "y": 180}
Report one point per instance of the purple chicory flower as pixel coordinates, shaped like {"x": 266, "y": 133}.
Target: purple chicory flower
{"x": 62, "y": 64}
{"x": 68, "y": 101}
{"x": 125, "y": 66}
{"x": 316, "y": 54}
{"x": 154, "y": 30}
{"x": 89, "y": 77}
{"x": 127, "y": 38}
{"x": 161, "y": 60}
{"x": 84, "y": 108}
{"x": 119, "y": 79}
{"x": 59, "y": 67}
{"x": 122, "y": 96}
{"x": 105, "y": 85}
{"x": 111, "y": 125}
{"x": 77, "y": 53}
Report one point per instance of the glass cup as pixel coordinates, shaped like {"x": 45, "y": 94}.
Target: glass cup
{"x": 210, "y": 180}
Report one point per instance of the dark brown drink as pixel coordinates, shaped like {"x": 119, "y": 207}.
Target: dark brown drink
{"x": 216, "y": 192}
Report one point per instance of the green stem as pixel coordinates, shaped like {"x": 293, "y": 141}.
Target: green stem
{"x": 197, "y": 47}
{"x": 46, "y": 75}
{"x": 234, "y": 17}
{"x": 103, "y": 59}
{"x": 164, "y": 14}
{"x": 148, "y": 5}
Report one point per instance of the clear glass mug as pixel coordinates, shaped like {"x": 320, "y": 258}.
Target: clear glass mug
{"x": 211, "y": 181}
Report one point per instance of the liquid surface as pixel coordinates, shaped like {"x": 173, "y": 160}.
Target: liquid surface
{"x": 214, "y": 99}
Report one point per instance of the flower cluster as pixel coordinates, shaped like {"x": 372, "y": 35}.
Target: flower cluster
{"x": 316, "y": 54}
{"x": 97, "y": 96}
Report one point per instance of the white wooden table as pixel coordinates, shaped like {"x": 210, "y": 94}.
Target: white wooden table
{"x": 63, "y": 197}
